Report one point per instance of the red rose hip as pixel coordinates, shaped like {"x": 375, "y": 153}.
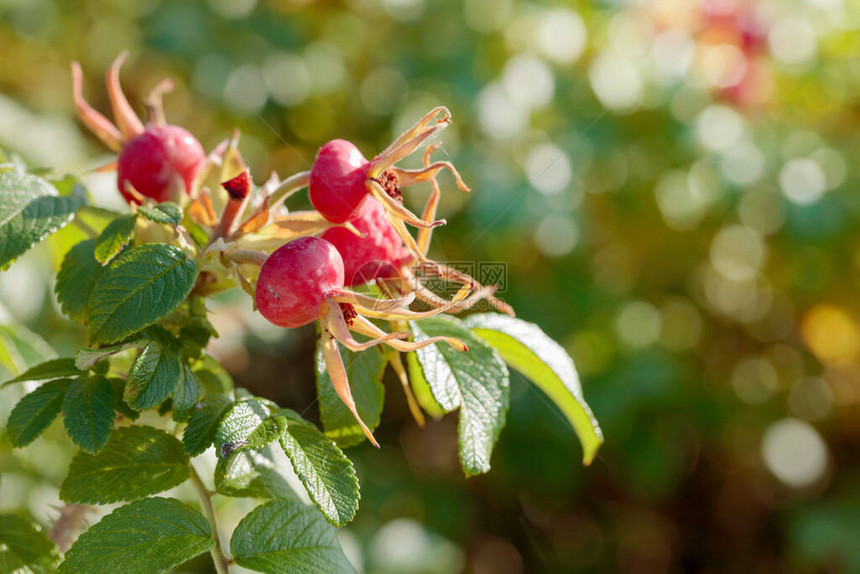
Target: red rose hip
{"x": 295, "y": 280}
{"x": 337, "y": 181}
{"x": 378, "y": 252}
{"x": 159, "y": 162}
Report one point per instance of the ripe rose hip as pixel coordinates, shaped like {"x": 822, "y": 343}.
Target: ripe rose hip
{"x": 295, "y": 280}
{"x": 303, "y": 280}
{"x": 157, "y": 161}
{"x": 378, "y": 252}
{"x": 341, "y": 178}
{"x": 337, "y": 187}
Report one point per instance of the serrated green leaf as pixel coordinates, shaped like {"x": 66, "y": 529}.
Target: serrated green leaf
{"x": 364, "y": 371}
{"x": 476, "y": 381}
{"x": 78, "y": 273}
{"x": 285, "y": 536}
{"x": 137, "y": 461}
{"x": 525, "y": 347}
{"x": 421, "y": 388}
{"x": 118, "y": 386}
{"x": 53, "y": 369}
{"x": 241, "y": 420}
{"x": 30, "y": 210}
{"x": 186, "y": 395}
{"x": 87, "y": 358}
{"x": 270, "y": 430}
{"x": 237, "y": 474}
{"x": 153, "y": 376}
{"x": 88, "y": 412}
{"x": 144, "y": 537}
{"x": 166, "y": 212}
{"x": 24, "y": 547}
{"x": 327, "y": 474}
{"x": 140, "y": 287}
{"x": 114, "y": 237}
{"x": 36, "y": 411}
{"x": 261, "y": 482}
{"x": 200, "y": 432}
{"x": 193, "y": 338}
{"x": 21, "y": 349}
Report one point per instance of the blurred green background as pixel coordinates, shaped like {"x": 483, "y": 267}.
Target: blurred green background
{"x": 672, "y": 185}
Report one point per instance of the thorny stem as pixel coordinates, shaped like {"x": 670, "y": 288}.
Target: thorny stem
{"x": 218, "y": 556}
{"x": 289, "y": 186}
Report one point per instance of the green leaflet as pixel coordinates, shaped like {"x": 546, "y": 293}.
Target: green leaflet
{"x": 270, "y": 430}
{"x": 24, "y": 547}
{"x": 88, "y": 412}
{"x": 364, "y": 371}
{"x": 476, "y": 381}
{"x": 78, "y": 273}
{"x": 186, "y": 394}
{"x": 237, "y": 426}
{"x": 327, "y": 474}
{"x": 140, "y": 287}
{"x": 166, "y": 212}
{"x": 36, "y": 411}
{"x": 153, "y": 376}
{"x": 115, "y": 236}
{"x": 203, "y": 423}
{"x": 250, "y": 473}
{"x": 31, "y": 209}
{"x": 285, "y": 536}
{"x": 421, "y": 388}
{"x": 87, "y": 358}
{"x": 53, "y": 369}
{"x": 258, "y": 482}
{"x": 137, "y": 461}
{"x": 525, "y": 347}
{"x": 144, "y": 537}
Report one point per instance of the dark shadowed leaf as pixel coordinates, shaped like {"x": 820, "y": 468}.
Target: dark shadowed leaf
{"x": 153, "y": 376}
{"x": 79, "y": 271}
{"x": 364, "y": 371}
{"x": 200, "y": 432}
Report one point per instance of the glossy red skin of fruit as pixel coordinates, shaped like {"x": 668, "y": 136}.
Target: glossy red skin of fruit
{"x": 295, "y": 280}
{"x": 337, "y": 183}
{"x": 379, "y": 252}
{"x": 151, "y": 161}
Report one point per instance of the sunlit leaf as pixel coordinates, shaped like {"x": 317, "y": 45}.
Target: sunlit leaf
{"x": 525, "y": 347}
{"x": 150, "y": 535}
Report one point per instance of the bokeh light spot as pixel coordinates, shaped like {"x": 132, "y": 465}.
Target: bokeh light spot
{"x": 795, "y": 453}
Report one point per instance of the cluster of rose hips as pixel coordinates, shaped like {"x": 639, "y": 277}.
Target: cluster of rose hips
{"x": 360, "y": 219}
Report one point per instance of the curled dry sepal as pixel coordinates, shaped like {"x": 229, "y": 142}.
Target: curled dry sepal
{"x": 139, "y": 282}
